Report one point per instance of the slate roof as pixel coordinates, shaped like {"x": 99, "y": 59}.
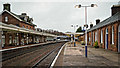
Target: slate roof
{"x": 110, "y": 20}
{"x": 21, "y": 17}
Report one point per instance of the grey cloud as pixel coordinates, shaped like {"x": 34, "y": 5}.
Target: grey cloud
{"x": 60, "y": 15}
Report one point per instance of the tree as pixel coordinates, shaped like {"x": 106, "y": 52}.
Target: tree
{"x": 79, "y": 29}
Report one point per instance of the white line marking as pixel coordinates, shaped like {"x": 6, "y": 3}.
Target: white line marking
{"x": 53, "y": 63}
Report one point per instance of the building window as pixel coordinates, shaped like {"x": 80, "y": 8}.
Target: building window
{"x": 3, "y": 40}
{"x": 89, "y": 39}
{"x": 106, "y": 30}
{"x": 112, "y": 34}
{"x": 27, "y": 27}
{"x": 10, "y": 39}
{"x": 95, "y": 36}
{"x": 101, "y": 36}
{"x": 6, "y": 19}
{"x": 23, "y": 26}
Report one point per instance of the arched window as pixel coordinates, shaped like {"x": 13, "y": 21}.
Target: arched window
{"x": 112, "y": 34}
{"x": 101, "y": 36}
{"x": 6, "y": 19}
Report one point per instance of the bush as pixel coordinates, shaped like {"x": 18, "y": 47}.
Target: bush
{"x": 96, "y": 44}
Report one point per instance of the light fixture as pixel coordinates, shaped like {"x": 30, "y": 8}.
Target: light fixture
{"x": 77, "y": 6}
{"x": 93, "y": 5}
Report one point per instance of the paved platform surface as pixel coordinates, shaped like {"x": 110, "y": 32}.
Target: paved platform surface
{"x": 75, "y": 56}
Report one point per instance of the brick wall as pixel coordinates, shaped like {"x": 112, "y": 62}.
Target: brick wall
{"x": 84, "y": 37}
{"x": 6, "y": 39}
{"x": 115, "y": 9}
{"x": 109, "y": 36}
{"x": 90, "y": 38}
{"x": 94, "y": 37}
{"x": 11, "y": 19}
{"x": 99, "y": 37}
{"x": 26, "y": 26}
{"x": 116, "y": 36}
{"x": 113, "y": 47}
{"x": 14, "y": 21}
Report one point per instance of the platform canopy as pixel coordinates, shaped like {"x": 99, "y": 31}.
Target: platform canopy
{"x": 13, "y": 28}
{"x": 76, "y": 34}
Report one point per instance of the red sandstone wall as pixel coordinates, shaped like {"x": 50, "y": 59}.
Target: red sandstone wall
{"x": 14, "y": 21}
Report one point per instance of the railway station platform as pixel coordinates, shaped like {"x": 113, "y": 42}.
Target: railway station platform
{"x": 71, "y": 56}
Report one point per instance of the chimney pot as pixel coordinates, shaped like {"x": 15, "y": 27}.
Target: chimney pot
{"x": 91, "y": 25}
{"x": 97, "y": 21}
{"x": 24, "y": 14}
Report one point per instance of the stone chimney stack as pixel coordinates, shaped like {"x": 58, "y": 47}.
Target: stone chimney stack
{"x": 115, "y": 9}
{"x": 97, "y": 21}
{"x": 6, "y": 7}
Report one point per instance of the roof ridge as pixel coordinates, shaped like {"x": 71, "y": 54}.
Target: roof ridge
{"x": 16, "y": 16}
{"x": 107, "y": 21}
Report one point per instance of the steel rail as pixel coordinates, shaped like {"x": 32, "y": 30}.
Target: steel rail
{"x": 44, "y": 57}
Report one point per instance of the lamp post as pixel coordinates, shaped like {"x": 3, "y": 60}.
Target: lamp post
{"x": 74, "y": 33}
{"x": 79, "y": 6}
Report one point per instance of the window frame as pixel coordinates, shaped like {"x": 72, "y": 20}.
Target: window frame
{"x": 6, "y": 18}
{"x": 95, "y": 36}
{"x": 89, "y": 39}
{"x": 101, "y": 36}
{"x": 112, "y": 34}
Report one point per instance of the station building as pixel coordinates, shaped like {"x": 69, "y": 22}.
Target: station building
{"x": 19, "y": 29}
{"x": 106, "y": 32}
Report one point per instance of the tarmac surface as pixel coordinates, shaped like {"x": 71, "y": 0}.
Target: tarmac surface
{"x": 72, "y": 56}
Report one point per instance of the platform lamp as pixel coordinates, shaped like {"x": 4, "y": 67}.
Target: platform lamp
{"x": 79, "y": 6}
{"x": 74, "y": 26}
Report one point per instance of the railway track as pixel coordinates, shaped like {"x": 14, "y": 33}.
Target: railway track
{"x": 49, "y": 57}
{"x": 32, "y": 57}
{"x": 6, "y": 55}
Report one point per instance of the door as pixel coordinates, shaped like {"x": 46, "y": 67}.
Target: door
{"x": 106, "y": 36}
{"x": 119, "y": 38}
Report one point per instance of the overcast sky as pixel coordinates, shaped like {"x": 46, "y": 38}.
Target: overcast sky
{"x": 59, "y": 15}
